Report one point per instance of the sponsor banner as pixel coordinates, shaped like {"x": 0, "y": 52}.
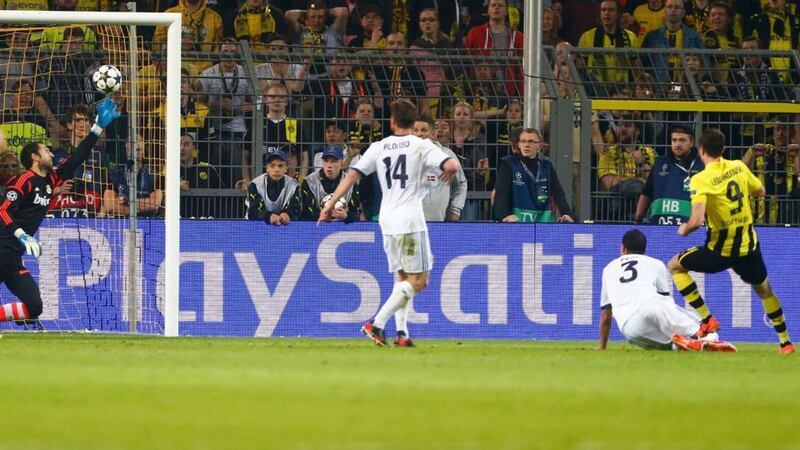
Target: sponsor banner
{"x": 490, "y": 281}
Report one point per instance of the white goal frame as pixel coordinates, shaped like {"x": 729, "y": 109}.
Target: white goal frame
{"x": 172, "y": 21}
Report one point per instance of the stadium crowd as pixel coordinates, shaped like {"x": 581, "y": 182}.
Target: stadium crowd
{"x": 319, "y": 77}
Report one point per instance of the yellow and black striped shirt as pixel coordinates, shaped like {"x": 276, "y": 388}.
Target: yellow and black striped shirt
{"x": 726, "y": 187}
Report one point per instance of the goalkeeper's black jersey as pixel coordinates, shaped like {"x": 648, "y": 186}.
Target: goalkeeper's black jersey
{"x": 28, "y": 195}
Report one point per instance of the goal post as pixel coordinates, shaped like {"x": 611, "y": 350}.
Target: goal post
{"x": 172, "y": 22}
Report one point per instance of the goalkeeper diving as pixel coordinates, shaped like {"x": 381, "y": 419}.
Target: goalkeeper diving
{"x": 25, "y": 205}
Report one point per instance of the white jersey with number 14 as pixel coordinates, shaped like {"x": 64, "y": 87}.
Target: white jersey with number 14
{"x": 401, "y": 164}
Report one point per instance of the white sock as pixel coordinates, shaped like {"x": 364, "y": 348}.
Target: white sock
{"x": 401, "y": 294}
{"x": 401, "y": 318}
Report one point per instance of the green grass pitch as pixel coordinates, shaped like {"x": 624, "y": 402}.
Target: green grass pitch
{"x": 120, "y": 392}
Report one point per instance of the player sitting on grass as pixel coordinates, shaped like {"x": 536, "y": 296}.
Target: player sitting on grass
{"x": 637, "y": 289}
{"x": 26, "y": 203}
{"x": 721, "y": 195}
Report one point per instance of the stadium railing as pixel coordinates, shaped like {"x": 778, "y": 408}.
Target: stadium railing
{"x": 748, "y": 94}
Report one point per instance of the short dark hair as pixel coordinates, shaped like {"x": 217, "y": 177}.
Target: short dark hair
{"x": 79, "y": 108}
{"x": 19, "y": 83}
{"x": 73, "y": 32}
{"x": 404, "y": 113}
{"x": 371, "y": 8}
{"x": 680, "y": 128}
{"x": 26, "y": 155}
{"x": 427, "y": 119}
{"x": 634, "y": 241}
{"x": 712, "y": 141}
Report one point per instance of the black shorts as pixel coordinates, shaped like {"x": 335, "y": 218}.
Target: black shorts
{"x": 10, "y": 265}
{"x": 750, "y": 268}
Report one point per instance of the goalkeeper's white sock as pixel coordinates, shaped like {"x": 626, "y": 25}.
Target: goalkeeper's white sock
{"x": 401, "y": 317}
{"x": 401, "y": 294}
{"x": 14, "y": 311}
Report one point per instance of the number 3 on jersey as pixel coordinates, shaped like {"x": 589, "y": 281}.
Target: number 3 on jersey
{"x": 629, "y": 266}
{"x": 396, "y": 171}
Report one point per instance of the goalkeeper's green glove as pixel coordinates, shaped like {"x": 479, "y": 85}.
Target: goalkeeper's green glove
{"x": 30, "y": 243}
{"x": 106, "y": 113}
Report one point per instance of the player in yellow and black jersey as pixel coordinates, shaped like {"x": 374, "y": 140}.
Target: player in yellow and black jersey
{"x": 721, "y": 193}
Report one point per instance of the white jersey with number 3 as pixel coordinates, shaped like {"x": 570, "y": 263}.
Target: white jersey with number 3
{"x": 401, "y": 163}
{"x": 631, "y": 280}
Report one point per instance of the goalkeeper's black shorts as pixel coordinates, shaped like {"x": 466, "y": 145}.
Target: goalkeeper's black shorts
{"x": 750, "y": 268}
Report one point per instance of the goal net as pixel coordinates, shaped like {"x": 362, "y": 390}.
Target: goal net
{"x": 105, "y": 264}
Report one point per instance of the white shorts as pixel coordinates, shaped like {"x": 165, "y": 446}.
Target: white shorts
{"x": 410, "y": 252}
{"x": 656, "y": 321}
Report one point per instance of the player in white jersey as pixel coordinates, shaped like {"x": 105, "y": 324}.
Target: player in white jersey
{"x": 402, "y": 162}
{"x": 637, "y": 288}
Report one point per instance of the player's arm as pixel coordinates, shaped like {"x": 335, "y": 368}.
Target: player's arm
{"x": 605, "y": 325}
{"x": 106, "y": 114}
{"x": 695, "y": 220}
{"x": 449, "y": 168}
{"x": 17, "y": 191}
{"x": 458, "y": 196}
{"x": 754, "y": 185}
{"x": 605, "y": 313}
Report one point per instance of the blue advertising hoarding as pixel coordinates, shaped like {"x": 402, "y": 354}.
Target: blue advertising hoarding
{"x": 490, "y": 281}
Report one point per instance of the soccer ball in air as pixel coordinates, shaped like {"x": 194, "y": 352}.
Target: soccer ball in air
{"x": 107, "y": 79}
{"x": 340, "y": 204}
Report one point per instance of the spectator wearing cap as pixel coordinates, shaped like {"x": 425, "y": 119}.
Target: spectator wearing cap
{"x": 258, "y": 21}
{"x": 204, "y": 23}
{"x": 227, "y": 88}
{"x": 318, "y": 187}
{"x": 273, "y": 196}
{"x": 278, "y": 129}
{"x": 665, "y": 196}
{"x": 498, "y": 38}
